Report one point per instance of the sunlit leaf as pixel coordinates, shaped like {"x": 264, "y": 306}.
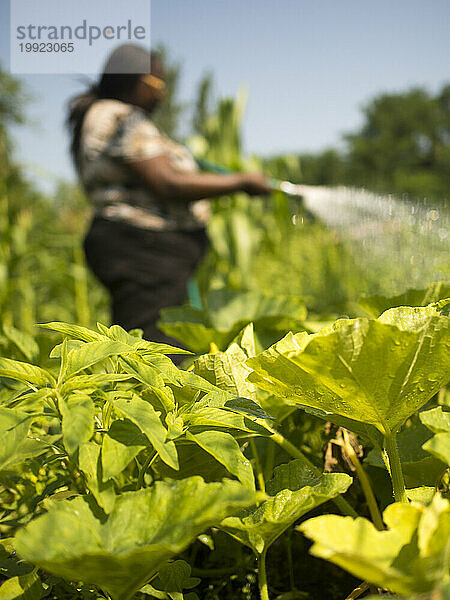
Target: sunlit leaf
{"x": 78, "y": 413}
{"x": 24, "y": 372}
{"x": 123, "y": 441}
{"x": 365, "y": 370}
{"x": 22, "y": 587}
{"x": 439, "y": 446}
{"x": 144, "y": 530}
{"x": 410, "y": 557}
{"x": 142, "y": 414}
{"x": 436, "y": 419}
{"x": 224, "y": 448}
{"x": 294, "y": 490}
{"x": 90, "y": 463}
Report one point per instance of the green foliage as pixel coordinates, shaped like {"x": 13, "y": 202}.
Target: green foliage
{"x": 227, "y": 312}
{"x": 375, "y": 305}
{"x": 144, "y": 530}
{"x": 410, "y": 557}
{"x": 293, "y": 491}
{"x": 114, "y": 462}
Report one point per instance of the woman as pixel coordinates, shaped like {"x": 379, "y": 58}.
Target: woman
{"x": 148, "y": 231}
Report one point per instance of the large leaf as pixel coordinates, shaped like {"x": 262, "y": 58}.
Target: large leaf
{"x": 412, "y": 556}
{"x": 142, "y": 414}
{"x": 370, "y": 371}
{"x": 145, "y": 529}
{"x": 375, "y": 305}
{"x": 78, "y": 414}
{"x": 226, "y": 308}
{"x": 224, "y": 448}
{"x": 294, "y": 490}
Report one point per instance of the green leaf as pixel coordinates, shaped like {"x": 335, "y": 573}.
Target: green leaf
{"x": 23, "y": 341}
{"x": 151, "y": 377}
{"x": 226, "y": 313}
{"x": 142, "y": 414}
{"x": 226, "y": 308}
{"x": 144, "y": 530}
{"x": 78, "y": 414}
{"x": 22, "y": 587}
{"x": 225, "y": 449}
{"x": 439, "y": 446}
{"x": 115, "y": 332}
{"x": 20, "y": 371}
{"x": 294, "y": 490}
{"x": 90, "y": 463}
{"x": 14, "y": 425}
{"x": 436, "y": 419}
{"x": 418, "y": 467}
{"x": 123, "y": 441}
{"x": 422, "y": 494}
{"x": 247, "y": 407}
{"x": 410, "y": 557}
{"x": 92, "y": 382}
{"x": 375, "y": 305}
{"x": 92, "y": 353}
{"x": 195, "y": 336}
{"x": 227, "y": 370}
{"x": 366, "y": 370}
{"x": 74, "y": 331}
{"x": 175, "y": 577}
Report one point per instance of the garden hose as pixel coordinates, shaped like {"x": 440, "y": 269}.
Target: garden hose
{"x": 288, "y": 188}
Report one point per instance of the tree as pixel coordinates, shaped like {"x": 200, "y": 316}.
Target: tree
{"x": 404, "y": 144}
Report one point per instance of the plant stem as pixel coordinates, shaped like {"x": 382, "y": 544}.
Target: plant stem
{"x": 262, "y": 576}
{"x": 398, "y": 483}
{"x": 270, "y": 460}
{"x": 365, "y": 483}
{"x": 341, "y": 503}
{"x": 259, "y": 473}
{"x": 148, "y": 462}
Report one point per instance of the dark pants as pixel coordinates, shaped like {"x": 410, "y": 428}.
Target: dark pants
{"x": 143, "y": 270}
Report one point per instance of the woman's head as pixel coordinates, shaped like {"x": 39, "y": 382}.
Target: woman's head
{"x": 131, "y": 74}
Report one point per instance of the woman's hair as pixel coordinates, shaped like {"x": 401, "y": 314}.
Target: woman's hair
{"x": 120, "y": 75}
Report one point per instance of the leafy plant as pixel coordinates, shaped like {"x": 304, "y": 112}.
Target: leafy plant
{"x": 367, "y": 375}
{"x": 294, "y": 490}
{"x": 144, "y": 530}
{"x": 411, "y": 557}
{"x": 227, "y": 312}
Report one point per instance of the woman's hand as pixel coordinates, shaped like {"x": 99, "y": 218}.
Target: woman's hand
{"x": 255, "y": 184}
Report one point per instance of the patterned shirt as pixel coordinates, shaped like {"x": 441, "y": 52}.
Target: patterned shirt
{"x": 114, "y": 133}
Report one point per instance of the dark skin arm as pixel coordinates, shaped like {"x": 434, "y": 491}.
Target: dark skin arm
{"x": 168, "y": 184}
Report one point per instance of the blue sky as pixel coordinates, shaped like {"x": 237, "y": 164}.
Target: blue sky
{"x": 309, "y": 65}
